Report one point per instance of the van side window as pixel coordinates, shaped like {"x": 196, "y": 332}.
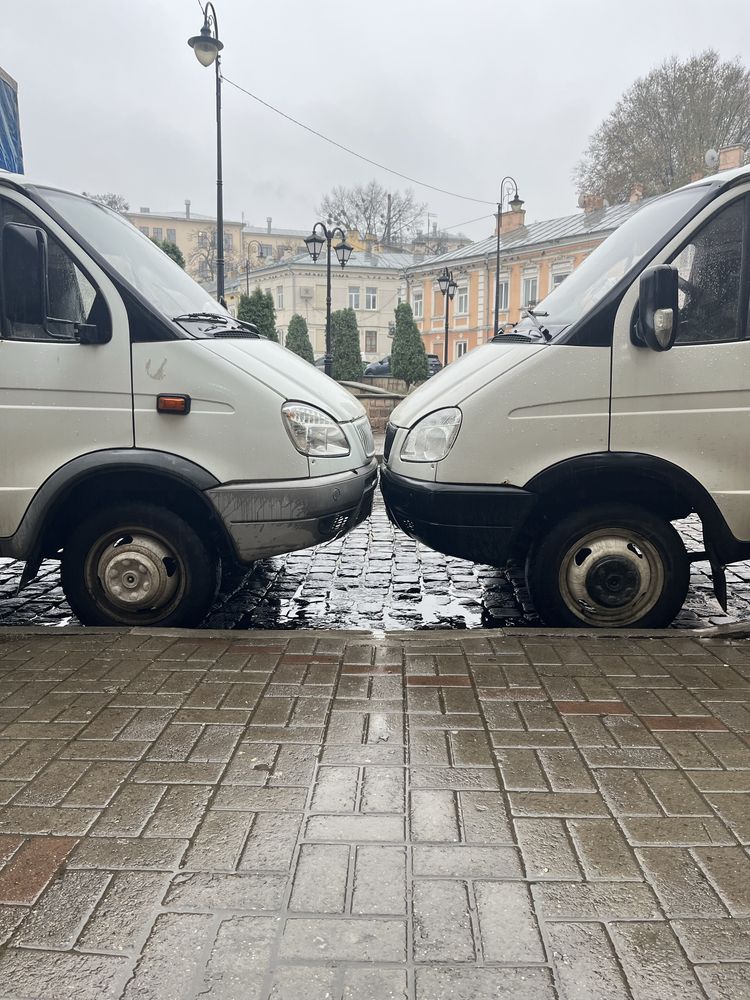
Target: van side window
{"x": 72, "y": 297}
{"x": 710, "y": 271}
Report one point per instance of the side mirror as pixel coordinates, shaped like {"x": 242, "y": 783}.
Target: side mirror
{"x": 24, "y": 274}
{"x": 658, "y": 309}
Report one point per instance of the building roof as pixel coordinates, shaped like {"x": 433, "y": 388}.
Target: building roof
{"x": 273, "y": 231}
{"x": 179, "y": 216}
{"x": 569, "y": 227}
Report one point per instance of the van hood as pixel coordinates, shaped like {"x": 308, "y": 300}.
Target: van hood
{"x": 287, "y": 374}
{"x": 462, "y": 378}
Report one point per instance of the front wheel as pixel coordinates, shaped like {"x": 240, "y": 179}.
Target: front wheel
{"x": 138, "y": 564}
{"x": 612, "y": 566}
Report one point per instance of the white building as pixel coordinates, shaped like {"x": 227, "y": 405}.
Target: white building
{"x": 372, "y": 284}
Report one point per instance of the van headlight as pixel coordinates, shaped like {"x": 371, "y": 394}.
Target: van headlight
{"x": 313, "y": 432}
{"x": 432, "y": 437}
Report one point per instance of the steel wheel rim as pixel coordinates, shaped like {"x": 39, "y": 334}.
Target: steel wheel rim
{"x": 135, "y": 575}
{"x": 611, "y": 577}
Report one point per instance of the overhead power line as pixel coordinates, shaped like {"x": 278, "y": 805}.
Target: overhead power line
{"x": 352, "y": 152}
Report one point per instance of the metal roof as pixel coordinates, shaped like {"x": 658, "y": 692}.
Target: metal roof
{"x": 569, "y": 227}
{"x": 264, "y": 231}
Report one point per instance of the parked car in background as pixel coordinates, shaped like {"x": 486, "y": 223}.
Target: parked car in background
{"x": 147, "y": 435}
{"x": 382, "y": 368}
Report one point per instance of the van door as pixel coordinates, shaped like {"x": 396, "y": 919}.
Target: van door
{"x": 59, "y": 399}
{"x": 691, "y": 405}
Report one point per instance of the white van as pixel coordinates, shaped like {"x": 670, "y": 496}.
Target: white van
{"x": 619, "y": 405}
{"x": 145, "y": 434}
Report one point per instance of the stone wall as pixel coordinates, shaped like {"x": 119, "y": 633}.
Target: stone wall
{"x": 391, "y": 384}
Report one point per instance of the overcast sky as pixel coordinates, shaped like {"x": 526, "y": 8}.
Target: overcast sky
{"x": 455, "y": 94}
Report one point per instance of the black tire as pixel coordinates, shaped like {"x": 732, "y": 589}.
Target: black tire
{"x": 138, "y": 564}
{"x": 610, "y": 566}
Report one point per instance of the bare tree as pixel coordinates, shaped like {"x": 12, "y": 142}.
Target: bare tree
{"x": 202, "y": 256}
{"x": 659, "y": 131}
{"x": 392, "y": 217}
{"x": 114, "y": 201}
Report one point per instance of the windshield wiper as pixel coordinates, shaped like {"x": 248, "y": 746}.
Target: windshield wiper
{"x": 202, "y": 315}
{"x": 542, "y": 329}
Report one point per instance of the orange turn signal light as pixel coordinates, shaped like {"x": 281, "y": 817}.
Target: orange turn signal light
{"x": 173, "y": 404}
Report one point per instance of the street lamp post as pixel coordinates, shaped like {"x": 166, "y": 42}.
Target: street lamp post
{"x": 322, "y": 236}
{"x": 207, "y": 47}
{"x": 448, "y": 288}
{"x": 507, "y": 187}
{"x": 248, "y": 247}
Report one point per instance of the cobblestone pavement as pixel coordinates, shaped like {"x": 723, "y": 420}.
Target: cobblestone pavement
{"x": 375, "y": 577}
{"x": 342, "y": 816}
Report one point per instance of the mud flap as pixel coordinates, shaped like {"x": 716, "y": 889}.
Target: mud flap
{"x": 718, "y": 577}
{"x": 30, "y": 571}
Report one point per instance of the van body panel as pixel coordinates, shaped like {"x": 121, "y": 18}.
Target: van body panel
{"x": 690, "y": 405}
{"x": 234, "y": 426}
{"x": 59, "y": 400}
{"x": 290, "y": 376}
{"x": 522, "y": 420}
{"x": 469, "y": 374}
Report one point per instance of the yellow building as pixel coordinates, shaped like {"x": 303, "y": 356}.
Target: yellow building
{"x": 244, "y": 245}
{"x": 534, "y": 259}
{"x": 195, "y": 235}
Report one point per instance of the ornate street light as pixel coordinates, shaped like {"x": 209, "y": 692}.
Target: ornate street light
{"x": 448, "y": 287}
{"x": 248, "y": 247}
{"x": 507, "y": 187}
{"x": 321, "y": 236}
{"x": 207, "y": 47}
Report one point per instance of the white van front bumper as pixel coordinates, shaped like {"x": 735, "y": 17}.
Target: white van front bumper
{"x": 270, "y": 518}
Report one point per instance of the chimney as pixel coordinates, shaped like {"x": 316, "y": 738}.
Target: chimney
{"x": 513, "y": 218}
{"x": 636, "y": 193}
{"x": 370, "y": 241}
{"x": 731, "y": 156}
{"x": 591, "y": 203}
{"x": 269, "y": 220}
{"x": 187, "y": 208}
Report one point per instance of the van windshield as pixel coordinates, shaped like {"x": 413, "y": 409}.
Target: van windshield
{"x": 615, "y": 257}
{"x": 133, "y": 256}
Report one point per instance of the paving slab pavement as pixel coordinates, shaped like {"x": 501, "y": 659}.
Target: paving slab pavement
{"x": 360, "y": 816}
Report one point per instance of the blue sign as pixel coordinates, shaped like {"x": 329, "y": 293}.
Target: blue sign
{"x": 11, "y": 153}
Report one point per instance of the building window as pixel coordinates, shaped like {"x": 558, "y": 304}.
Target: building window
{"x": 157, "y": 233}
{"x": 228, "y": 241}
{"x": 557, "y": 278}
{"x": 503, "y": 295}
{"x": 172, "y": 235}
{"x": 462, "y": 300}
{"x": 353, "y": 297}
{"x": 461, "y": 348}
{"x": 529, "y": 297}
{"x": 203, "y": 269}
{"x": 266, "y": 250}
{"x": 144, "y": 230}
{"x": 279, "y": 296}
{"x": 202, "y": 238}
{"x": 267, "y": 291}
{"x": 418, "y": 305}
{"x": 371, "y": 341}
{"x": 371, "y": 298}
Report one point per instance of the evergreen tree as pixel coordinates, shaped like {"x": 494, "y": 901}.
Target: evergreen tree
{"x": 171, "y": 250}
{"x": 347, "y": 358}
{"x": 408, "y": 357}
{"x": 258, "y": 308}
{"x": 298, "y": 340}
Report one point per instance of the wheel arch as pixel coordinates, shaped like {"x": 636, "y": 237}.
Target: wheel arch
{"x": 659, "y": 486}
{"x": 116, "y": 475}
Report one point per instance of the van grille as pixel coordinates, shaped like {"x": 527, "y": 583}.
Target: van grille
{"x": 364, "y": 432}
{"x": 390, "y": 433}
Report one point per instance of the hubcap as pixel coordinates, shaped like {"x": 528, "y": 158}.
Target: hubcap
{"x": 138, "y": 572}
{"x": 612, "y": 576}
